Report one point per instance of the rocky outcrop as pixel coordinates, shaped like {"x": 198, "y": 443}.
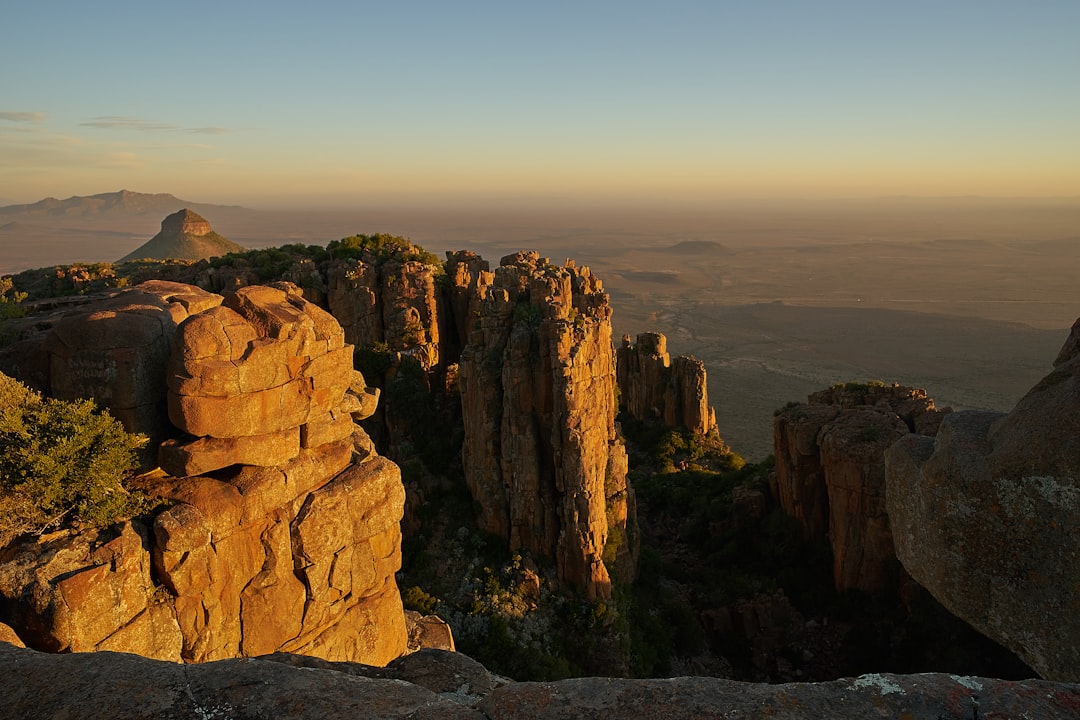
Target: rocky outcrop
{"x": 299, "y": 557}
{"x": 830, "y": 472}
{"x": 799, "y": 485}
{"x": 541, "y": 454}
{"x": 653, "y": 386}
{"x": 115, "y": 350}
{"x": 392, "y": 302}
{"x": 79, "y": 592}
{"x": 985, "y": 518}
{"x": 434, "y": 684}
{"x": 469, "y": 277}
{"x": 282, "y": 529}
{"x": 184, "y": 235}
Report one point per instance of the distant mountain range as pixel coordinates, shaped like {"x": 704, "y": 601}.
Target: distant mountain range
{"x": 121, "y": 205}
{"x": 101, "y": 227}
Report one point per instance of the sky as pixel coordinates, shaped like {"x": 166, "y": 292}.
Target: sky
{"x": 593, "y": 101}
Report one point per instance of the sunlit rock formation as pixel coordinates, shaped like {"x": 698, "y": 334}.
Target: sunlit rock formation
{"x": 282, "y": 530}
{"x": 114, "y": 350}
{"x": 985, "y": 515}
{"x": 542, "y": 458}
{"x": 656, "y": 387}
{"x": 255, "y": 379}
{"x": 392, "y": 302}
{"x": 830, "y": 472}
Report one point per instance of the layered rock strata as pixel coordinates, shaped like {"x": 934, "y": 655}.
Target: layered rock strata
{"x": 653, "y": 386}
{"x": 830, "y": 472}
{"x": 984, "y": 516}
{"x": 541, "y": 454}
{"x": 254, "y": 379}
{"x": 282, "y": 530}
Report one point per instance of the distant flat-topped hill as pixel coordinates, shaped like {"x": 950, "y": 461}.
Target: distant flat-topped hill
{"x": 697, "y": 247}
{"x": 184, "y": 235}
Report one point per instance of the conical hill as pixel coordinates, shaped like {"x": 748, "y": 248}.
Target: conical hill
{"x": 185, "y": 235}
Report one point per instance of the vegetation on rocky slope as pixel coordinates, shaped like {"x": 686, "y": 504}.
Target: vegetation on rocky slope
{"x": 726, "y": 585}
{"x": 267, "y": 264}
{"x": 62, "y": 461}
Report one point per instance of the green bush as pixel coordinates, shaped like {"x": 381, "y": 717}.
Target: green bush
{"x": 10, "y": 300}
{"x": 383, "y": 247}
{"x": 416, "y": 599}
{"x": 62, "y": 461}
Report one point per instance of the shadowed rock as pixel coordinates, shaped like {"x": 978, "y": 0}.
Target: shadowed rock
{"x": 830, "y": 472}
{"x": 117, "y": 686}
{"x": 655, "y": 387}
{"x": 433, "y": 684}
{"x": 985, "y": 518}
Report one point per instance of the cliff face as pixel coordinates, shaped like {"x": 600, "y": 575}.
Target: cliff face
{"x": 261, "y": 406}
{"x": 282, "y": 530}
{"x": 830, "y": 472}
{"x": 541, "y": 454}
{"x": 655, "y": 387}
{"x": 985, "y": 518}
{"x": 398, "y": 303}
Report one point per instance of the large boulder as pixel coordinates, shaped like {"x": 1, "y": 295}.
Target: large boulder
{"x": 119, "y": 686}
{"x": 115, "y": 349}
{"x": 985, "y": 517}
{"x": 298, "y": 557}
{"x": 84, "y": 591}
{"x": 247, "y": 376}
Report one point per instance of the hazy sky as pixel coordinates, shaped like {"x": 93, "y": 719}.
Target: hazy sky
{"x": 587, "y": 100}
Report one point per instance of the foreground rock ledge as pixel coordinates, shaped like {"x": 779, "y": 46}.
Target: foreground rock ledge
{"x": 437, "y": 684}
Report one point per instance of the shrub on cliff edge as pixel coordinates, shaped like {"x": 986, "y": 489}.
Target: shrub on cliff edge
{"x": 61, "y": 461}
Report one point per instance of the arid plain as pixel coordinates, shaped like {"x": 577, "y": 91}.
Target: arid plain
{"x": 969, "y": 298}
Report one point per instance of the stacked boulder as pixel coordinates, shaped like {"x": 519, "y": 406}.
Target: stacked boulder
{"x": 257, "y": 378}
